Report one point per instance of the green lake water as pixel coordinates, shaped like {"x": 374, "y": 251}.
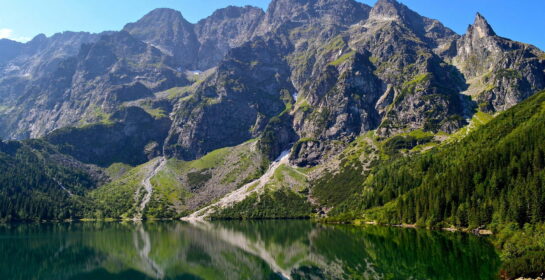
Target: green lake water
{"x": 239, "y": 250}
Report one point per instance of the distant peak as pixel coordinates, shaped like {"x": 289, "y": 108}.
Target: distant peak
{"x": 156, "y": 19}
{"x": 394, "y": 3}
{"x": 40, "y": 36}
{"x": 235, "y": 11}
{"x": 165, "y": 14}
{"x": 481, "y": 27}
{"x": 387, "y": 10}
{"x": 164, "y": 11}
{"x": 38, "y": 39}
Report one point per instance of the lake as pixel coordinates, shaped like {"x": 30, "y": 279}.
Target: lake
{"x": 239, "y": 250}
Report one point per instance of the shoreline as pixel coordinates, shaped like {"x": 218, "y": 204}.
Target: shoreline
{"x": 477, "y": 231}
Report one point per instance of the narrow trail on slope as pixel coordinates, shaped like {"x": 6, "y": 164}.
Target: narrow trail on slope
{"x": 148, "y": 187}
{"x": 241, "y": 193}
{"x": 63, "y": 187}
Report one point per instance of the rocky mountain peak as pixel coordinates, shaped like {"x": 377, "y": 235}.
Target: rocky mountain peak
{"x": 481, "y": 27}
{"x": 162, "y": 19}
{"x": 387, "y": 10}
{"x": 225, "y": 29}
{"x": 337, "y": 12}
{"x": 163, "y": 14}
{"x": 234, "y": 12}
{"x": 39, "y": 38}
{"x": 282, "y": 10}
{"x": 37, "y": 41}
{"x": 169, "y": 31}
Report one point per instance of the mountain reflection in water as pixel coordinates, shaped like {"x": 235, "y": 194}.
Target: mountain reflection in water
{"x": 239, "y": 250}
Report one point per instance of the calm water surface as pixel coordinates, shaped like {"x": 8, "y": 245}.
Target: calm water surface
{"x": 239, "y": 250}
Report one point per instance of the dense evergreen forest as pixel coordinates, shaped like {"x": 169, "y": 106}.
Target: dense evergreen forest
{"x": 37, "y": 183}
{"x": 278, "y": 204}
{"x": 493, "y": 176}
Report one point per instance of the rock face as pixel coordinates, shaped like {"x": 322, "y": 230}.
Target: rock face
{"x": 168, "y": 31}
{"x": 223, "y": 30}
{"x": 316, "y": 74}
{"x": 132, "y": 137}
{"x": 235, "y": 103}
{"x": 287, "y": 14}
{"x": 197, "y": 46}
{"x": 49, "y": 83}
{"x": 503, "y": 72}
{"x": 90, "y": 86}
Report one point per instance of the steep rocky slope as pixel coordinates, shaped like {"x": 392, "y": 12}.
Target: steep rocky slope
{"x": 339, "y": 68}
{"x": 70, "y": 78}
{"x": 223, "y": 30}
{"x": 9, "y": 49}
{"x": 86, "y": 87}
{"x": 500, "y": 72}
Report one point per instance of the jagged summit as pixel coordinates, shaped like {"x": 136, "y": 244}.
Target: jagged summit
{"x": 387, "y": 10}
{"x": 161, "y": 17}
{"x": 167, "y": 30}
{"x": 164, "y": 13}
{"x": 337, "y": 12}
{"x": 234, "y": 11}
{"x": 481, "y": 27}
{"x": 224, "y": 29}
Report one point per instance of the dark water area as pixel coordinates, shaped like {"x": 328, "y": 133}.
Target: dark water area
{"x": 239, "y": 250}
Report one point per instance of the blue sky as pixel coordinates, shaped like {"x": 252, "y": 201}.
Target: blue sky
{"x": 522, "y": 20}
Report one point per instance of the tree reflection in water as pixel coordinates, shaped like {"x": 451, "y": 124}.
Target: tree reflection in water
{"x": 239, "y": 250}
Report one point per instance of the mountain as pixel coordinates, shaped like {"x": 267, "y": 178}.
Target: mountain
{"x": 313, "y": 108}
{"x": 197, "y": 46}
{"x": 500, "y": 72}
{"x": 34, "y": 61}
{"x": 169, "y": 32}
{"x": 412, "y": 72}
{"x": 54, "y": 82}
{"x": 312, "y": 77}
{"x": 91, "y": 85}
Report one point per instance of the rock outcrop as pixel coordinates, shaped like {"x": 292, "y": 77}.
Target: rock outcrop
{"x": 502, "y": 72}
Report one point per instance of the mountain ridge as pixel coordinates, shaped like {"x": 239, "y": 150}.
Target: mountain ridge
{"x": 440, "y": 40}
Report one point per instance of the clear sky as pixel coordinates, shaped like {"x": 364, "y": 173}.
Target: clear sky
{"x": 521, "y": 20}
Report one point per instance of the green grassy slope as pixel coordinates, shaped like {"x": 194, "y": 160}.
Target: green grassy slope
{"x": 180, "y": 187}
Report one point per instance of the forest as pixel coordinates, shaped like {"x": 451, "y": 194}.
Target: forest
{"x": 491, "y": 179}
{"x": 37, "y": 185}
